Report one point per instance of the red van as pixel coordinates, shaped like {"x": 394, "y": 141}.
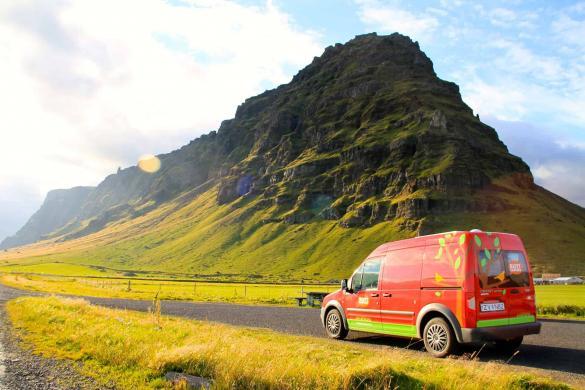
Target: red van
{"x": 448, "y": 288}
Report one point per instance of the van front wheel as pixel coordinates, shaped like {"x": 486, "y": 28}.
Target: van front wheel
{"x": 334, "y": 325}
{"x": 439, "y": 338}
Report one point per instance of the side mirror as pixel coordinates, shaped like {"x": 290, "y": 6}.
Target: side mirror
{"x": 343, "y": 284}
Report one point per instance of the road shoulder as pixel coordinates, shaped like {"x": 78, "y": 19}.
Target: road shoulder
{"x": 23, "y": 370}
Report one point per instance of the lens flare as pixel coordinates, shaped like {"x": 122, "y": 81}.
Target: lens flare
{"x": 149, "y": 163}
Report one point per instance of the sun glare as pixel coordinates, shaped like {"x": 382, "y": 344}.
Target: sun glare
{"x": 149, "y": 163}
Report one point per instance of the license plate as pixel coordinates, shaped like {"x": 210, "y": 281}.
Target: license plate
{"x": 499, "y": 306}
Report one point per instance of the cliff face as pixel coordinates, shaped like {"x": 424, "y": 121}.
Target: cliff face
{"x": 365, "y": 133}
{"x": 59, "y": 207}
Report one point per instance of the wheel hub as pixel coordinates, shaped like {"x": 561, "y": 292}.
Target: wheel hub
{"x": 437, "y": 337}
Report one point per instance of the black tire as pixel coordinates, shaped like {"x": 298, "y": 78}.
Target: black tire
{"x": 439, "y": 338}
{"x": 510, "y": 345}
{"x": 334, "y": 325}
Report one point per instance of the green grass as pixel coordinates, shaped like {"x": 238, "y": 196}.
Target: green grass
{"x": 134, "y": 350}
{"x": 64, "y": 269}
{"x": 553, "y": 295}
{"x": 561, "y": 301}
{"x": 552, "y": 301}
{"x": 248, "y": 293}
{"x": 240, "y": 242}
{"x": 209, "y": 240}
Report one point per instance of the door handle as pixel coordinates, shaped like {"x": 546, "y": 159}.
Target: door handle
{"x": 374, "y": 295}
{"x": 386, "y": 295}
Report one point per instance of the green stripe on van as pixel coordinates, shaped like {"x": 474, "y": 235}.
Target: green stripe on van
{"x": 382, "y": 327}
{"x": 506, "y": 321}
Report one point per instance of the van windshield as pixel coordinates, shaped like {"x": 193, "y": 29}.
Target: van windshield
{"x": 502, "y": 268}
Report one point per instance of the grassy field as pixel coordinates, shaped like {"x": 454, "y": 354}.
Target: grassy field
{"x": 248, "y": 293}
{"x": 552, "y": 301}
{"x": 197, "y": 238}
{"x": 134, "y": 350}
{"x": 561, "y": 301}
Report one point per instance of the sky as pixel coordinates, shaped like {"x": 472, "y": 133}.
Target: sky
{"x": 89, "y": 86}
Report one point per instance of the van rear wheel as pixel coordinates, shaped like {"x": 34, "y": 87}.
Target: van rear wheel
{"x": 439, "y": 338}
{"x": 334, "y": 325}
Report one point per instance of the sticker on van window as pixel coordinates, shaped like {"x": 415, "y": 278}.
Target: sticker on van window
{"x": 363, "y": 300}
{"x": 515, "y": 267}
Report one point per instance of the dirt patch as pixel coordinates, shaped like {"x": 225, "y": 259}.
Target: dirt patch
{"x": 20, "y": 369}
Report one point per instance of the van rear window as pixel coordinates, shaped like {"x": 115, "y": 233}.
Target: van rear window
{"x": 502, "y": 268}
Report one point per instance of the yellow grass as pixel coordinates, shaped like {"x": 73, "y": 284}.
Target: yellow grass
{"x": 132, "y": 350}
{"x": 553, "y": 301}
{"x": 167, "y": 290}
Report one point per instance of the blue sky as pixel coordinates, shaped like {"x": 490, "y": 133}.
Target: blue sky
{"x": 89, "y": 86}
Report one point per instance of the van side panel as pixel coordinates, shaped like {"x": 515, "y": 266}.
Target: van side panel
{"x": 400, "y": 290}
{"x": 445, "y": 273}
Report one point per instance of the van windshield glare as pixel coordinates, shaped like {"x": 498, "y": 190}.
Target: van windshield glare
{"x": 502, "y": 268}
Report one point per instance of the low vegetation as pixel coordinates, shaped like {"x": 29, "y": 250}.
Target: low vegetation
{"x": 236, "y": 242}
{"x": 552, "y": 301}
{"x": 135, "y": 350}
{"x": 249, "y": 293}
{"x": 561, "y": 301}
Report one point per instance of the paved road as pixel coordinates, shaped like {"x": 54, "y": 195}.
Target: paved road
{"x": 560, "y": 347}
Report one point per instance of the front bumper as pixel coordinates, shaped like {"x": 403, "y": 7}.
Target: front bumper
{"x": 495, "y": 333}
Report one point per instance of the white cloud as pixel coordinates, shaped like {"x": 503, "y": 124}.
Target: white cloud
{"x": 502, "y": 17}
{"x": 518, "y": 84}
{"x": 90, "y": 85}
{"x": 518, "y": 58}
{"x": 502, "y": 100}
{"x": 569, "y": 31}
{"x": 389, "y": 19}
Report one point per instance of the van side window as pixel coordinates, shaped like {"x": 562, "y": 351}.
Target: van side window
{"x": 371, "y": 275}
{"x": 355, "y": 284}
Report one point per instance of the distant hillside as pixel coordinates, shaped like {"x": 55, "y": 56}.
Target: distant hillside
{"x": 58, "y": 209}
{"x": 364, "y": 145}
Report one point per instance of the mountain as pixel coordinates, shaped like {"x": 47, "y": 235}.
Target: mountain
{"x": 364, "y": 145}
{"x": 59, "y": 207}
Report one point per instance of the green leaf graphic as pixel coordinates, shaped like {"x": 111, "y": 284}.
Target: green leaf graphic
{"x": 458, "y": 262}
{"x": 477, "y": 241}
{"x": 442, "y": 241}
{"x": 483, "y": 262}
{"x": 488, "y": 254}
{"x": 439, "y": 254}
{"x": 497, "y": 241}
{"x": 462, "y": 239}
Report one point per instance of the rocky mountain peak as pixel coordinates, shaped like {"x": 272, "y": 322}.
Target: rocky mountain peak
{"x": 365, "y": 133}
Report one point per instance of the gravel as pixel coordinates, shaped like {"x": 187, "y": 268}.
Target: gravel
{"x": 20, "y": 369}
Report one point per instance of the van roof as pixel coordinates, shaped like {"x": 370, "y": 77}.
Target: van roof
{"x": 422, "y": 240}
